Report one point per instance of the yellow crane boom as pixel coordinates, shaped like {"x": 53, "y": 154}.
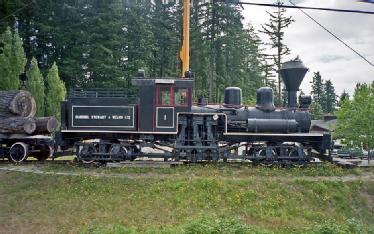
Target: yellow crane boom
{"x": 185, "y": 50}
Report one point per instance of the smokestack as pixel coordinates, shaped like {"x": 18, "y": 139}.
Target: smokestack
{"x": 293, "y": 73}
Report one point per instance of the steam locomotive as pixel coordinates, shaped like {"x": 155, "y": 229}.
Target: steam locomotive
{"x": 112, "y": 126}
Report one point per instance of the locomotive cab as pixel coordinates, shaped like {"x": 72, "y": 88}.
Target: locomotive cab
{"x": 159, "y": 101}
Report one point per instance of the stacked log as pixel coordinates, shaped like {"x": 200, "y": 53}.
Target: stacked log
{"x": 17, "y": 111}
{"x": 17, "y": 103}
{"x": 46, "y": 125}
{"x": 17, "y": 125}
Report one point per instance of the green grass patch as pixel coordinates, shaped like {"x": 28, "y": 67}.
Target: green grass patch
{"x": 213, "y": 170}
{"x": 187, "y": 200}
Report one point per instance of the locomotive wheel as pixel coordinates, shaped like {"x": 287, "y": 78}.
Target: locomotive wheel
{"x": 268, "y": 161}
{"x": 298, "y": 160}
{"x": 18, "y": 152}
{"x": 193, "y": 156}
{"x": 214, "y": 156}
{"x": 119, "y": 151}
{"x": 85, "y": 154}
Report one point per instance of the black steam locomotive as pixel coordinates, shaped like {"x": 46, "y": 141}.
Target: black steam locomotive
{"x": 111, "y": 126}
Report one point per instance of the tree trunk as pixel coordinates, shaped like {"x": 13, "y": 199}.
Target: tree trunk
{"x": 17, "y": 103}
{"x": 46, "y": 125}
{"x": 17, "y": 125}
{"x": 369, "y": 156}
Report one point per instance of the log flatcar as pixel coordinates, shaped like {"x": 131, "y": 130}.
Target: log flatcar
{"x": 111, "y": 126}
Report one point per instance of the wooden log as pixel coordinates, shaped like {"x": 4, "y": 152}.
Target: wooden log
{"x": 17, "y": 103}
{"x": 17, "y": 125}
{"x": 46, "y": 125}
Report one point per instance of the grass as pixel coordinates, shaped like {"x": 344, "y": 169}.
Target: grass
{"x": 212, "y": 170}
{"x": 210, "y": 201}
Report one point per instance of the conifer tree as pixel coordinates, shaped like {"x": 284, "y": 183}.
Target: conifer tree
{"x": 12, "y": 60}
{"x": 104, "y": 43}
{"x": 35, "y": 85}
{"x": 343, "y": 97}
{"x": 316, "y": 111}
{"x": 275, "y": 30}
{"x": 55, "y": 93}
{"x": 329, "y": 98}
{"x": 318, "y": 88}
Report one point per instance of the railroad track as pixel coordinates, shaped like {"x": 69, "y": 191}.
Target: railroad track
{"x": 153, "y": 163}
{"x": 6, "y": 162}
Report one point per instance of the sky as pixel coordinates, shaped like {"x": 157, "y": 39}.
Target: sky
{"x": 319, "y": 50}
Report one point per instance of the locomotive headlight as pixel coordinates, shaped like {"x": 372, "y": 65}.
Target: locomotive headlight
{"x": 215, "y": 117}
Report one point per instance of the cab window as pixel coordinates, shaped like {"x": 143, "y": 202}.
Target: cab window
{"x": 181, "y": 97}
{"x": 164, "y": 96}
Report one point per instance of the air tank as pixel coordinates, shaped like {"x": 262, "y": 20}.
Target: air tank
{"x": 265, "y": 99}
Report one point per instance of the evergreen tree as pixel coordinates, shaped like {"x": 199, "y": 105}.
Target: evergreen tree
{"x": 7, "y": 9}
{"x": 275, "y": 31}
{"x": 200, "y": 49}
{"x": 12, "y": 60}
{"x": 55, "y": 93}
{"x": 35, "y": 85}
{"x": 329, "y": 97}
{"x": 318, "y": 88}
{"x": 343, "y": 97}
{"x": 316, "y": 111}
{"x": 104, "y": 43}
{"x": 165, "y": 39}
{"x": 224, "y": 51}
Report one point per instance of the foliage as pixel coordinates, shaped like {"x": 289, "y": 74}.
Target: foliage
{"x": 356, "y": 118}
{"x": 201, "y": 225}
{"x": 223, "y": 51}
{"x": 318, "y": 88}
{"x": 352, "y": 226}
{"x": 330, "y": 98}
{"x": 35, "y": 85}
{"x": 7, "y": 9}
{"x": 316, "y": 110}
{"x": 12, "y": 60}
{"x": 275, "y": 31}
{"x": 216, "y": 225}
{"x": 55, "y": 92}
{"x": 104, "y": 43}
{"x": 213, "y": 225}
{"x": 324, "y": 93}
{"x": 343, "y": 97}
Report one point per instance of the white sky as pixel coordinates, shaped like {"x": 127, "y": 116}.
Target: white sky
{"x": 318, "y": 49}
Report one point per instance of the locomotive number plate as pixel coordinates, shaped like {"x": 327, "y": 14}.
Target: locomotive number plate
{"x": 103, "y": 116}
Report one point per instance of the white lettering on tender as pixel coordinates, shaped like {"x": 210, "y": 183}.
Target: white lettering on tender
{"x": 117, "y": 117}
{"x": 121, "y": 117}
{"x": 98, "y": 116}
{"x": 82, "y": 117}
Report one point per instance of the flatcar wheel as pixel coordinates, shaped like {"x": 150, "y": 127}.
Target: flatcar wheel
{"x": 18, "y": 152}
{"x": 45, "y": 151}
{"x": 85, "y": 154}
